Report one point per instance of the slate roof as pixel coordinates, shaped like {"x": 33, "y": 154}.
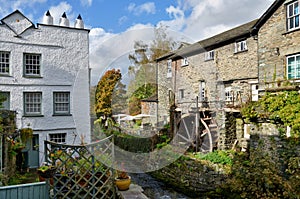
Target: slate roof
{"x": 153, "y": 98}
{"x": 238, "y": 33}
{"x": 224, "y": 38}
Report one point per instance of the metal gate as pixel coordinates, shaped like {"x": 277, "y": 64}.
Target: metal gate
{"x": 81, "y": 171}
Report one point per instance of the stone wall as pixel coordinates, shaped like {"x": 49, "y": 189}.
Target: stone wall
{"x": 241, "y": 65}
{"x": 164, "y": 93}
{"x": 197, "y": 178}
{"x": 191, "y": 177}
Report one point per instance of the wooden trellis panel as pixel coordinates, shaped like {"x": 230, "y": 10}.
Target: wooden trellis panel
{"x": 82, "y": 171}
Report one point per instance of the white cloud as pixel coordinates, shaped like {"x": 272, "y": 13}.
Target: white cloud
{"x": 148, "y": 8}
{"x": 175, "y": 13}
{"x": 9, "y": 6}
{"x": 57, "y": 11}
{"x": 205, "y": 18}
{"x": 122, "y": 20}
{"x": 86, "y": 2}
{"x": 131, "y": 7}
{"x": 177, "y": 16}
{"x": 23, "y": 3}
{"x": 109, "y": 50}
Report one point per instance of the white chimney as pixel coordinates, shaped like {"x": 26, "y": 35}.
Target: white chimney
{"x": 63, "y": 21}
{"x": 79, "y": 22}
{"x": 48, "y": 19}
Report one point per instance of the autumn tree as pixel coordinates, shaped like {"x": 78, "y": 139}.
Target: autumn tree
{"x": 104, "y": 93}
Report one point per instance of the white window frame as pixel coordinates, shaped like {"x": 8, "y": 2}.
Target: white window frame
{"x": 210, "y": 55}
{"x": 4, "y": 62}
{"x": 32, "y": 65}
{"x": 228, "y": 94}
{"x": 293, "y": 21}
{"x": 202, "y": 93}
{"x": 32, "y": 103}
{"x": 61, "y": 103}
{"x": 184, "y": 61}
{"x": 169, "y": 68}
{"x": 254, "y": 92}
{"x": 240, "y": 46}
{"x": 293, "y": 66}
{"x": 58, "y": 137}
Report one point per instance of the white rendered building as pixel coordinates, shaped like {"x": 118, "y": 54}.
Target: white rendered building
{"x": 45, "y": 75}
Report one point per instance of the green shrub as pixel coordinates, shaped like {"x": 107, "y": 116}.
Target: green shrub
{"x": 217, "y": 157}
{"x": 262, "y": 174}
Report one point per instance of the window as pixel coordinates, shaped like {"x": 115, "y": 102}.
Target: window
{"x": 228, "y": 94}
{"x": 202, "y": 91}
{"x": 32, "y": 103}
{"x": 58, "y": 137}
{"x": 181, "y": 93}
{"x": 240, "y": 46}
{"x": 293, "y": 15}
{"x": 209, "y": 55}
{"x": 4, "y": 63}
{"x": 169, "y": 68}
{"x": 184, "y": 61}
{"x": 61, "y": 103}
{"x": 5, "y": 104}
{"x": 32, "y": 65}
{"x": 293, "y": 66}
{"x": 254, "y": 92}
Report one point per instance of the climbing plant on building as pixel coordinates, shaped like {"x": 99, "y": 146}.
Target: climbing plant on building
{"x": 282, "y": 108}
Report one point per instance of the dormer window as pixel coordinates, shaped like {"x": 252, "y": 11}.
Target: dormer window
{"x": 169, "y": 68}
{"x": 293, "y": 15}
{"x": 240, "y": 46}
{"x": 209, "y": 55}
{"x": 184, "y": 61}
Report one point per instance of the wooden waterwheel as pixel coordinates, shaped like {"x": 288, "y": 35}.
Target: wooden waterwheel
{"x": 200, "y": 133}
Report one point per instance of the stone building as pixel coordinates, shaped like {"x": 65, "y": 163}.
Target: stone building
{"x": 44, "y": 73}
{"x": 214, "y": 76}
{"x": 278, "y": 45}
{"x": 231, "y": 68}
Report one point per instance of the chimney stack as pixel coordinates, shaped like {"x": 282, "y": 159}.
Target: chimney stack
{"x": 79, "y": 23}
{"x": 64, "y": 21}
{"x": 48, "y": 19}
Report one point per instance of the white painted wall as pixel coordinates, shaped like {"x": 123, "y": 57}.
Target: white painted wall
{"x": 65, "y": 67}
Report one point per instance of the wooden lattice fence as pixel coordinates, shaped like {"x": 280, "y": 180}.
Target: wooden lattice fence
{"x": 81, "y": 171}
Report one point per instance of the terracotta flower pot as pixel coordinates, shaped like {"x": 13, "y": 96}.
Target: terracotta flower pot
{"x": 123, "y": 184}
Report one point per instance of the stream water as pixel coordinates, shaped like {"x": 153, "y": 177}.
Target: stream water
{"x": 155, "y": 189}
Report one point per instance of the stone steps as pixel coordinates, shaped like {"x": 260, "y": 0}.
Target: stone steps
{"x": 134, "y": 191}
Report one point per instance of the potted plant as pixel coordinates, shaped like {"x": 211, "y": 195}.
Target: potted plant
{"x": 46, "y": 171}
{"x": 122, "y": 180}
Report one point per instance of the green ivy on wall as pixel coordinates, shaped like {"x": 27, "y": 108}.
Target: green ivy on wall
{"x": 283, "y": 107}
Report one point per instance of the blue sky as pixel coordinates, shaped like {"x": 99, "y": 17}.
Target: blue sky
{"x": 115, "y": 22}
